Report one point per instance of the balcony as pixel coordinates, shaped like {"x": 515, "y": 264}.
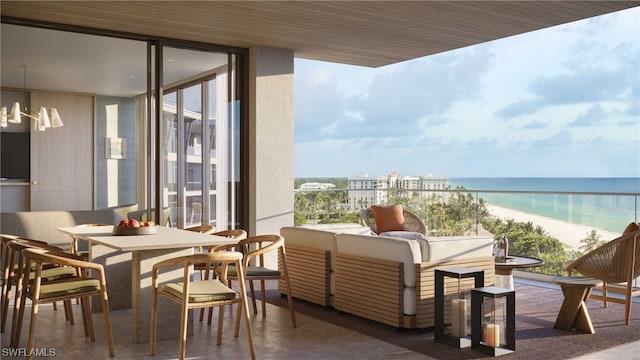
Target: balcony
{"x": 327, "y": 334}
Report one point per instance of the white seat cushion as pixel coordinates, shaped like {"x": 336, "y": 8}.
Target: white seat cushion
{"x": 457, "y": 247}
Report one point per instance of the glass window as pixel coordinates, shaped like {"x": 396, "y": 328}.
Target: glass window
{"x": 204, "y": 147}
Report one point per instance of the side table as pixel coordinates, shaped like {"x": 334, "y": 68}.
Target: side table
{"x": 504, "y": 270}
{"x": 573, "y": 313}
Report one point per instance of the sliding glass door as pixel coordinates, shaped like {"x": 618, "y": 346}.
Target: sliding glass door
{"x": 172, "y": 105}
{"x": 199, "y": 126}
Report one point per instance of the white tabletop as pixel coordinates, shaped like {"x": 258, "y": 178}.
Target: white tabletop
{"x": 166, "y": 238}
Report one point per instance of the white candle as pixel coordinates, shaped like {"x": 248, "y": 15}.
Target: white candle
{"x": 459, "y": 317}
{"x": 492, "y": 335}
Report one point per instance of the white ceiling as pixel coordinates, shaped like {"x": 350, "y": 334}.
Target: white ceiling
{"x": 73, "y": 62}
{"x": 367, "y": 33}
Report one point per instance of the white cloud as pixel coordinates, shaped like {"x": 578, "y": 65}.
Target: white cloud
{"x": 563, "y": 101}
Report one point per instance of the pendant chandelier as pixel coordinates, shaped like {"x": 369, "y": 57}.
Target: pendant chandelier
{"x": 42, "y": 119}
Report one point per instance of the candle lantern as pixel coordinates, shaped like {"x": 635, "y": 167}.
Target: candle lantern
{"x": 493, "y": 320}
{"x": 452, "y": 307}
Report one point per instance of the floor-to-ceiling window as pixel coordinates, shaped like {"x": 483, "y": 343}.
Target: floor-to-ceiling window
{"x": 199, "y": 117}
{"x": 198, "y": 126}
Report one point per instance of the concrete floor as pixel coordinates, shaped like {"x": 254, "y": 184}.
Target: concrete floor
{"x": 273, "y": 339}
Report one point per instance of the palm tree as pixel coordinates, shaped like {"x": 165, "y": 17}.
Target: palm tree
{"x": 592, "y": 241}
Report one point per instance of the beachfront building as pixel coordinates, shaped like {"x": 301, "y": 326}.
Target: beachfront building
{"x": 316, "y": 186}
{"x": 365, "y": 191}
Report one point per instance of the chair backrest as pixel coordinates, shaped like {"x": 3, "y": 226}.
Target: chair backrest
{"x": 257, "y": 246}
{"x": 20, "y": 244}
{"x": 204, "y": 229}
{"x": 614, "y": 262}
{"x": 222, "y": 258}
{"x": 237, "y": 234}
{"x": 412, "y": 222}
{"x": 53, "y": 256}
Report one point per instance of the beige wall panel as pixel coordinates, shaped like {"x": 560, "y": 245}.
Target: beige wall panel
{"x": 271, "y": 144}
{"x": 62, "y": 158}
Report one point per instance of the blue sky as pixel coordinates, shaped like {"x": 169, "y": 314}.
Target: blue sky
{"x": 558, "y": 102}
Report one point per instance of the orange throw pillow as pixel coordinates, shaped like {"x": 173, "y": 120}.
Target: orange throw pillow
{"x": 631, "y": 228}
{"x": 388, "y": 218}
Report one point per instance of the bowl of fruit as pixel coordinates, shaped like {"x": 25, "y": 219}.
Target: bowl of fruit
{"x": 135, "y": 227}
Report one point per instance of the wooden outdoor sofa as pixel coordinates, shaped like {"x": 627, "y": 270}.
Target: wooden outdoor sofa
{"x": 386, "y": 279}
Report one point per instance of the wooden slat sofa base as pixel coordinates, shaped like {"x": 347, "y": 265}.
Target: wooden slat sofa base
{"x": 370, "y": 288}
{"x": 425, "y": 285}
{"x": 373, "y": 288}
{"x": 309, "y": 271}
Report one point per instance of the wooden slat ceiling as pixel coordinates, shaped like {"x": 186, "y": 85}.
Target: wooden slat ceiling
{"x": 367, "y": 33}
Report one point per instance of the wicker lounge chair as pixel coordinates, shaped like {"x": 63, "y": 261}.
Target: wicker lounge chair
{"x": 616, "y": 263}
{"x": 412, "y": 222}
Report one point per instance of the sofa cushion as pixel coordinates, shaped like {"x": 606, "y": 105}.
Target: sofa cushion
{"x": 388, "y": 218}
{"x": 321, "y": 236}
{"x": 412, "y": 235}
{"x": 303, "y": 236}
{"x": 456, "y": 247}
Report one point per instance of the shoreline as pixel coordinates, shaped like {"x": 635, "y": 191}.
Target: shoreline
{"x": 568, "y": 233}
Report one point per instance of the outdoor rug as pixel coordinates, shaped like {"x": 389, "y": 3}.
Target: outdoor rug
{"x": 536, "y": 311}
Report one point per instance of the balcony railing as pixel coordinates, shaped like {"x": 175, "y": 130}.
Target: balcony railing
{"x": 591, "y": 218}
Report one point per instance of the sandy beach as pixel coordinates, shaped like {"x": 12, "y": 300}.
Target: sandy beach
{"x": 566, "y": 232}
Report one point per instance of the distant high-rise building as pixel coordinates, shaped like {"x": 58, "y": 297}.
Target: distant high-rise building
{"x": 365, "y": 191}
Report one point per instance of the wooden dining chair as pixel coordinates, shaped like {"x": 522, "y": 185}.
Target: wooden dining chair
{"x": 8, "y": 274}
{"x": 254, "y": 249}
{"x": 206, "y": 269}
{"x": 82, "y": 286}
{"x": 73, "y": 246}
{"x": 203, "y": 229}
{"x": 22, "y": 275}
{"x": 194, "y": 294}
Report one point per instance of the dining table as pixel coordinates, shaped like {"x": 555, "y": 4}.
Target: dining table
{"x": 128, "y": 261}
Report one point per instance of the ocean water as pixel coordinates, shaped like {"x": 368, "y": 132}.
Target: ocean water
{"x": 615, "y": 204}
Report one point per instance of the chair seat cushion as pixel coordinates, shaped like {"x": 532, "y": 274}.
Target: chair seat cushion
{"x": 261, "y": 271}
{"x": 54, "y": 274}
{"x": 252, "y": 271}
{"x": 75, "y": 286}
{"x": 202, "y": 291}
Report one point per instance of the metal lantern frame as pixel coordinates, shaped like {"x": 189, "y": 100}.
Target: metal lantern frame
{"x": 493, "y": 293}
{"x": 439, "y": 326}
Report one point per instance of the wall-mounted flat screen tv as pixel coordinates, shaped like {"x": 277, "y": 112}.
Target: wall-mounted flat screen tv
{"x": 15, "y": 155}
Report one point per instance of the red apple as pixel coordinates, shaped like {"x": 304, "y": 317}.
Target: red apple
{"x": 134, "y": 223}
{"x": 123, "y": 223}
